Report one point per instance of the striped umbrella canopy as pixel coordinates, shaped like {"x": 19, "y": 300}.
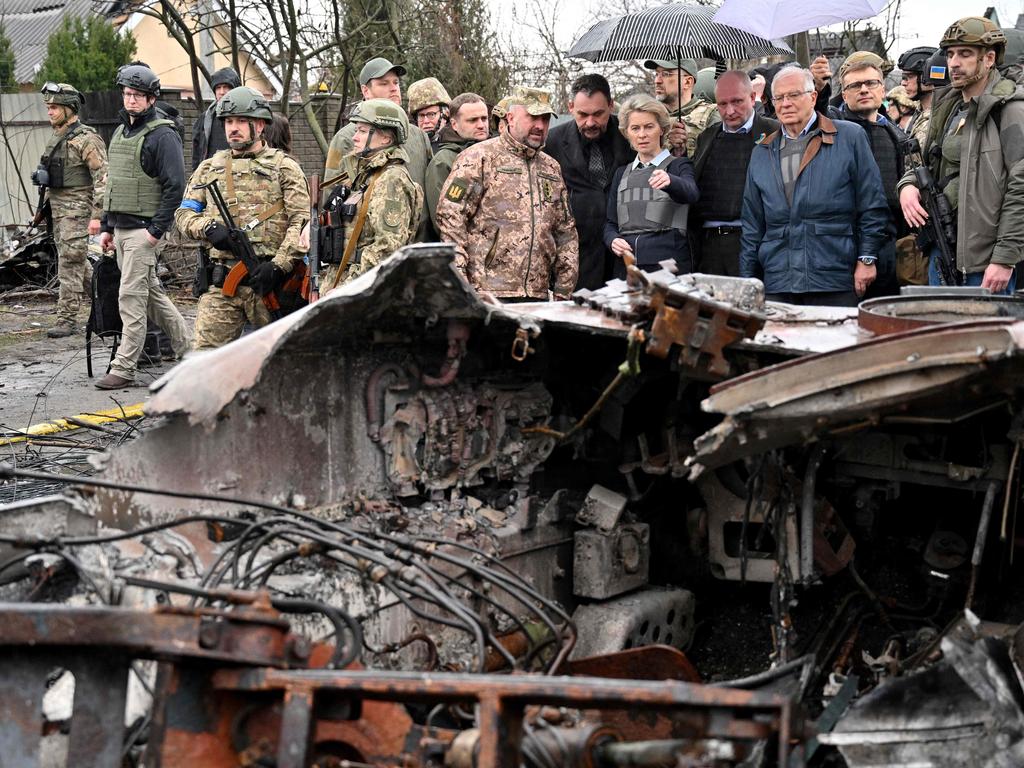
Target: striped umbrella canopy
{"x": 675, "y": 31}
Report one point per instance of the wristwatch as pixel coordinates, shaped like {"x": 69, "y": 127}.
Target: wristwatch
{"x": 867, "y": 261}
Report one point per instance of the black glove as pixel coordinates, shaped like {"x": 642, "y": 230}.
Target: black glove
{"x": 219, "y": 236}
{"x": 264, "y": 279}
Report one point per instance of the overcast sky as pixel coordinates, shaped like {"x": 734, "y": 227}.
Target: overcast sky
{"x": 922, "y": 22}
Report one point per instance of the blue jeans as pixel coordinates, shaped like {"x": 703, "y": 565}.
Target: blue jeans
{"x": 971, "y": 280}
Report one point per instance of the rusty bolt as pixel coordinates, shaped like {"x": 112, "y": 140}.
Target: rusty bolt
{"x": 209, "y": 633}
{"x": 299, "y": 648}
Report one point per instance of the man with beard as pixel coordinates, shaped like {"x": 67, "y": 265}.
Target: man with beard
{"x": 975, "y": 149}
{"x": 145, "y": 178}
{"x": 589, "y": 149}
{"x": 673, "y": 86}
{"x": 468, "y": 115}
{"x": 75, "y": 165}
{"x": 265, "y": 190}
{"x": 506, "y": 209}
{"x": 207, "y": 131}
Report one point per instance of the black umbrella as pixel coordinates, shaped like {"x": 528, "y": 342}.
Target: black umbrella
{"x": 677, "y": 31}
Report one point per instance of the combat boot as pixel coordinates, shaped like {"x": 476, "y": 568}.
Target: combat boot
{"x": 62, "y": 329}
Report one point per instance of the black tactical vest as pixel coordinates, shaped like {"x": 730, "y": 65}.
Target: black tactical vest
{"x": 55, "y": 160}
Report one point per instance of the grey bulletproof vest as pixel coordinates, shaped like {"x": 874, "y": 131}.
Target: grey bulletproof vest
{"x": 644, "y": 209}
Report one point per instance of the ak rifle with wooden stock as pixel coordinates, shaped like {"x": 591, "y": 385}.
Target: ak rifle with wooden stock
{"x": 242, "y": 248}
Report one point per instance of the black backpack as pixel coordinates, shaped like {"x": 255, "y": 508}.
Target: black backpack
{"x": 105, "y": 315}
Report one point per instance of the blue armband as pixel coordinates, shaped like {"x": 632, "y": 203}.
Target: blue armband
{"x": 193, "y": 205}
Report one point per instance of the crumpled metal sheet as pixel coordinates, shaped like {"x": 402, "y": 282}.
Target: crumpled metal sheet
{"x": 421, "y": 275}
{"x": 797, "y": 400}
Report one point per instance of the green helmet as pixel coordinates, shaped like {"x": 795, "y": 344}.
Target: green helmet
{"x": 244, "y": 102}
{"x": 704, "y": 87}
{"x": 382, "y": 113}
{"x": 63, "y": 94}
{"x": 976, "y": 31}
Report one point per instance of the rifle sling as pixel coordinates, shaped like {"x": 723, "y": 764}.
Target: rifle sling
{"x": 357, "y": 229}
{"x": 232, "y": 203}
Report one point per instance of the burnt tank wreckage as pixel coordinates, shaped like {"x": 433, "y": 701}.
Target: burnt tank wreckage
{"x": 696, "y": 528}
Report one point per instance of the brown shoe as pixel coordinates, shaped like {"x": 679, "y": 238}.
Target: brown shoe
{"x": 113, "y": 381}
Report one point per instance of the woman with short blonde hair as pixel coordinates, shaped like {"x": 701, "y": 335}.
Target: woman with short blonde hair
{"x": 643, "y": 102}
{"x": 649, "y": 199}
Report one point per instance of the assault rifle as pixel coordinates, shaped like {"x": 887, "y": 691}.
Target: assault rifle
{"x": 242, "y": 248}
{"x": 311, "y": 290}
{"x": 941, "y": 226}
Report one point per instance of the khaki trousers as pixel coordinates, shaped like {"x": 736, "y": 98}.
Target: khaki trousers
{"x": 142, "y": 296}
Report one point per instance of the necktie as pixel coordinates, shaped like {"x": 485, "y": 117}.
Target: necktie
{"x": 596, "y": 166}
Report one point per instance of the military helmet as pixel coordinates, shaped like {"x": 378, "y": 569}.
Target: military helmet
{"x": 244, "y": 102}
{"x": 139, "y": 77}
{"x": 225, "y": 76}
{"x": 704, "y": 87}
{"x": 64, "y": 94}
{"x": 426, "y": 93}
{"x": 859, "y": 59}
{"x": 915, "y": 59}
{"x": 899, "y": 95}
{"x": 976, "y": 31}
{"x": 936, "y": 70}
{"x": 382, "y": 113}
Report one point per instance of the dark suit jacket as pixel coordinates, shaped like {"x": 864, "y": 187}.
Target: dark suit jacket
{"x": 587, "y": 200}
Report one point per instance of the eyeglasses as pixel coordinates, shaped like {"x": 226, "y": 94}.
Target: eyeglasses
{"x": 781, "y": 98}
{"x": 869, "y": 84}
{"x": 429, "y": 114}
{"x": 133, "y": 96}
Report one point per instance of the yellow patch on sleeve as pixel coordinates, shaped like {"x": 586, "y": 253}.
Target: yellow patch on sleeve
{"x": 456, "y": 190}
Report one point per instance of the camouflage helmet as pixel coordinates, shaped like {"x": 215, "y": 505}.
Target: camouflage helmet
{"x": 975, "y": 31}
{"x": 426, "y": 93}
{"x": 64, "y": 94}
{"x": 899, "y": 95}
{"x": 860, "y": 59}
{"x": 382, "y": 113}
{"x": 704, "y": 87}
{"x": 139, "y": 77}
{"x": 244, "y": 102}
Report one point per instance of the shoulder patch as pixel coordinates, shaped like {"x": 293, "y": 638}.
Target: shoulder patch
{"x": 456, "y": 190}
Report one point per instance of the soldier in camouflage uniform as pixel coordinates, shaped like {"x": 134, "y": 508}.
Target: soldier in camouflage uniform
{"x": 75, "y": 161}
{"x": 259, "y": 184}
{"x": 506, "y": 208}
{"x": 385, "y": 202}
{"x": 673, "y": 86}
{"x": 428, "y": 108}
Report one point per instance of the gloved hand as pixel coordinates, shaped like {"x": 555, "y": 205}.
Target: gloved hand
{"x": 265, "y": 278}
{"x": 219, "y": 236}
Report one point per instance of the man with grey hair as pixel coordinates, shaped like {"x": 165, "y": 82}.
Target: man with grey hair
{"x": 814, "y": 238}
{"x": 720, "y": 164}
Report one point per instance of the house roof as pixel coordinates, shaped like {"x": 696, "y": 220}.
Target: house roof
{"x": 29, "y": 23}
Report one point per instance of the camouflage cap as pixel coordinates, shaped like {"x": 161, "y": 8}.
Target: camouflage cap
{"x": 860, "y": 59}
{"x": 689, "y": 66}
{"x": 426, "y": 93}
{"x": 64, "y": 94}
{"x": 536, "y": 101}
{"x": 899, "y": 95}
{"x": 379, "y": 67}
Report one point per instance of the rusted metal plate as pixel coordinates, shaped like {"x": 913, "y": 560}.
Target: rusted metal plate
{"x": 654, "y": 662}
{"x": 799, "y": 399}
{"x": 898, "y": 314}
